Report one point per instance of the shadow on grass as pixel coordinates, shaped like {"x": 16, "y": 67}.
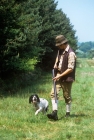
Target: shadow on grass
{"x": 73, "y": 116}
{"x": 25, "y": 83}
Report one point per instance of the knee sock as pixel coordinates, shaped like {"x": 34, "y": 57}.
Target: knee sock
{"x": 54, "y": 105}
{"x": 68, "y": 107}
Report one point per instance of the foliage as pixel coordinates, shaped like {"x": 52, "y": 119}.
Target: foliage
{"x": 55, "y": 22}
{"x": 22, "y": 42}
{"x": 87, "y": 48}
{"x": 8, "y": 26}
{"x": 27, "y": 32}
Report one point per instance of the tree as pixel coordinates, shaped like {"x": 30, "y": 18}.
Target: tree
{"x": 18, "y": 38}
{"x": 54, "y": 22}
{"x": 8, "y": 30}
{"x": 27, "y": 32}
{"x": 86, "y": 46}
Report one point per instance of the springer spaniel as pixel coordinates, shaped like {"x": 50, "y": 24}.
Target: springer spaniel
{"x": 40, "y": 104}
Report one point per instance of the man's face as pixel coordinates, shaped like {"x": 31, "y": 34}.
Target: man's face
{"x": 62, "y": 46}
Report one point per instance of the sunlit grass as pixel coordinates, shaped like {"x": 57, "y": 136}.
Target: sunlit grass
{"x": 18, "y": 122}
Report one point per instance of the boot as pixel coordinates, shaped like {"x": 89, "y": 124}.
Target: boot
{"x": 67, "y": 114}
{"x": 53, "y": 115}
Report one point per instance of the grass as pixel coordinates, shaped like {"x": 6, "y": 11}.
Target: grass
{"x": 18, "y": 122}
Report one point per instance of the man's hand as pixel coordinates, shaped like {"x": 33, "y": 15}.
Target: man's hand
{"x": 55, "y": 66}
{"x": 62, "y": 74}
{"x": 56, "y": 78}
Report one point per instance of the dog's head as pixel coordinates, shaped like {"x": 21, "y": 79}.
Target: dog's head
{"x": 34, "y": 99}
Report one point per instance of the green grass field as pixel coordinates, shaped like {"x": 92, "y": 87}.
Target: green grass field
{"x": 18, "y": 122}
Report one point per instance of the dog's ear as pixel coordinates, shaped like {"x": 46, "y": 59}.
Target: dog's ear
{"x": 38, "y": 99}
{"x": 30, "y": 99}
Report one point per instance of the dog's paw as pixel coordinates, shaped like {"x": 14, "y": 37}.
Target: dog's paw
{"x": 36, "y": 113}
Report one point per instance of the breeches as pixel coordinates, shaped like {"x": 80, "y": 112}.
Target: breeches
{"x": 66, "y": 88}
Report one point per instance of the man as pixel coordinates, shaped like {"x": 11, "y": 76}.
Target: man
{"x": 65, "y": 67}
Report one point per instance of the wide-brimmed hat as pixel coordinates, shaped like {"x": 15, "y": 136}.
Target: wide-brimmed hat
{"x": 60, "y": 39}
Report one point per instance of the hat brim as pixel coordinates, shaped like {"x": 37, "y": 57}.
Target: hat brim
{"x": 58, "y": 44}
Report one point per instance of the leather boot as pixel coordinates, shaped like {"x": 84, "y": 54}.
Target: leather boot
{"x": 67, "y": 114}
{"x": 53, "y": 115}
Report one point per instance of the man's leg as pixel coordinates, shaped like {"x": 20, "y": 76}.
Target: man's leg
{"x": 66, "y": 86}
{"x": 68, "y": 109}
{"x": 53, "y": 115}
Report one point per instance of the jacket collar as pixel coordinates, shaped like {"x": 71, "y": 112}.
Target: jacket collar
{"x": 67, "y": 49}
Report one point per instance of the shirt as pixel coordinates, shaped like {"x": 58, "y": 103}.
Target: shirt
{"x": 71, "y": 59}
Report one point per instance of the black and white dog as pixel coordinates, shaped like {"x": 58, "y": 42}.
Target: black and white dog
{"x": 40, "y": 104}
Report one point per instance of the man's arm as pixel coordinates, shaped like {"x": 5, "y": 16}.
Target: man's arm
{"x": 71, "y": 64}
{"x": 63, "y": 74}
{"x": 56, "y": 61}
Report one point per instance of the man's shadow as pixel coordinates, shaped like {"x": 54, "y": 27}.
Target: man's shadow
{"x": 73, "y": 116}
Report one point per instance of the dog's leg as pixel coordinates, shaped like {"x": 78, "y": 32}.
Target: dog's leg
{"x": 39, "y": 110}
{"x": 44, "y": 111}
